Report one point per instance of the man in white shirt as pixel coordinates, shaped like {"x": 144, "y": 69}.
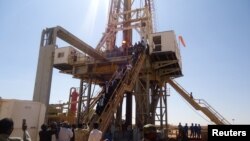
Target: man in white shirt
{"x": 95, "y": 134}
{"x": 26, "y": 135}
{"x": 65, "y": 134}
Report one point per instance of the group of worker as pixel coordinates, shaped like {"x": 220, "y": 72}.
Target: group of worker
{"x": 109, "y": 88}
{"x": 66, "y": 133}
{"x": 126, "y": 49}
{"x": 114, "y": 83}
{"x": 195, "y": 131}
{"x": 82, "y": 133}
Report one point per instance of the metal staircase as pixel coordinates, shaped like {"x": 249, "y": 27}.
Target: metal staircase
{"x": 199, "y": 104}
{"x": 87, "y": 117}
{"x": 127, "y": 83}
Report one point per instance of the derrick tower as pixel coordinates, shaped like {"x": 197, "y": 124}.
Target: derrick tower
{"x": 154, "y": 58}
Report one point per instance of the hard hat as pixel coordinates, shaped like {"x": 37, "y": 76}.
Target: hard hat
{"x": 149, "y": 128}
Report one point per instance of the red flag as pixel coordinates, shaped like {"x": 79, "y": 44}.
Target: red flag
{"x": 182, "y": 41}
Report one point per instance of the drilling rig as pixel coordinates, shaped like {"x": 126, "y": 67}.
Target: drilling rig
{"x": 154, "y": 59}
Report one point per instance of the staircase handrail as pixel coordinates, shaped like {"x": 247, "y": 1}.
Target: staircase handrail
{"x": 117, "y": 95}
{"x": 210, "y": 108}
{"x": 203, "y": 104}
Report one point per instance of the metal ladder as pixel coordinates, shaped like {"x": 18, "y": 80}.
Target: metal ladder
{"x": 126, "y": 84}
{"x": 87, "y": 117}
{"x": 199, "y": 104}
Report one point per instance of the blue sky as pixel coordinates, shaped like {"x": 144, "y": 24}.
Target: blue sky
{"x": 215, "y": 62}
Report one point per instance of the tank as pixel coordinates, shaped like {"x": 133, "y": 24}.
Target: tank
{"x": 33, "y": 112}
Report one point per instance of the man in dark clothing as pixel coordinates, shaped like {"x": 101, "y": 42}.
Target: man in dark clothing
{"x": 44, "y": 134}
{"x": 6, "y": 128}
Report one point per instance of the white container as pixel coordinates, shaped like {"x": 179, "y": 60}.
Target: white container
{"x": 66, "y": 56}
{"x": 166, "y": 39}
{"x": 33, "y": 112}
{"x": 165, "y": 42}
{"x": 63, "y": 55}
